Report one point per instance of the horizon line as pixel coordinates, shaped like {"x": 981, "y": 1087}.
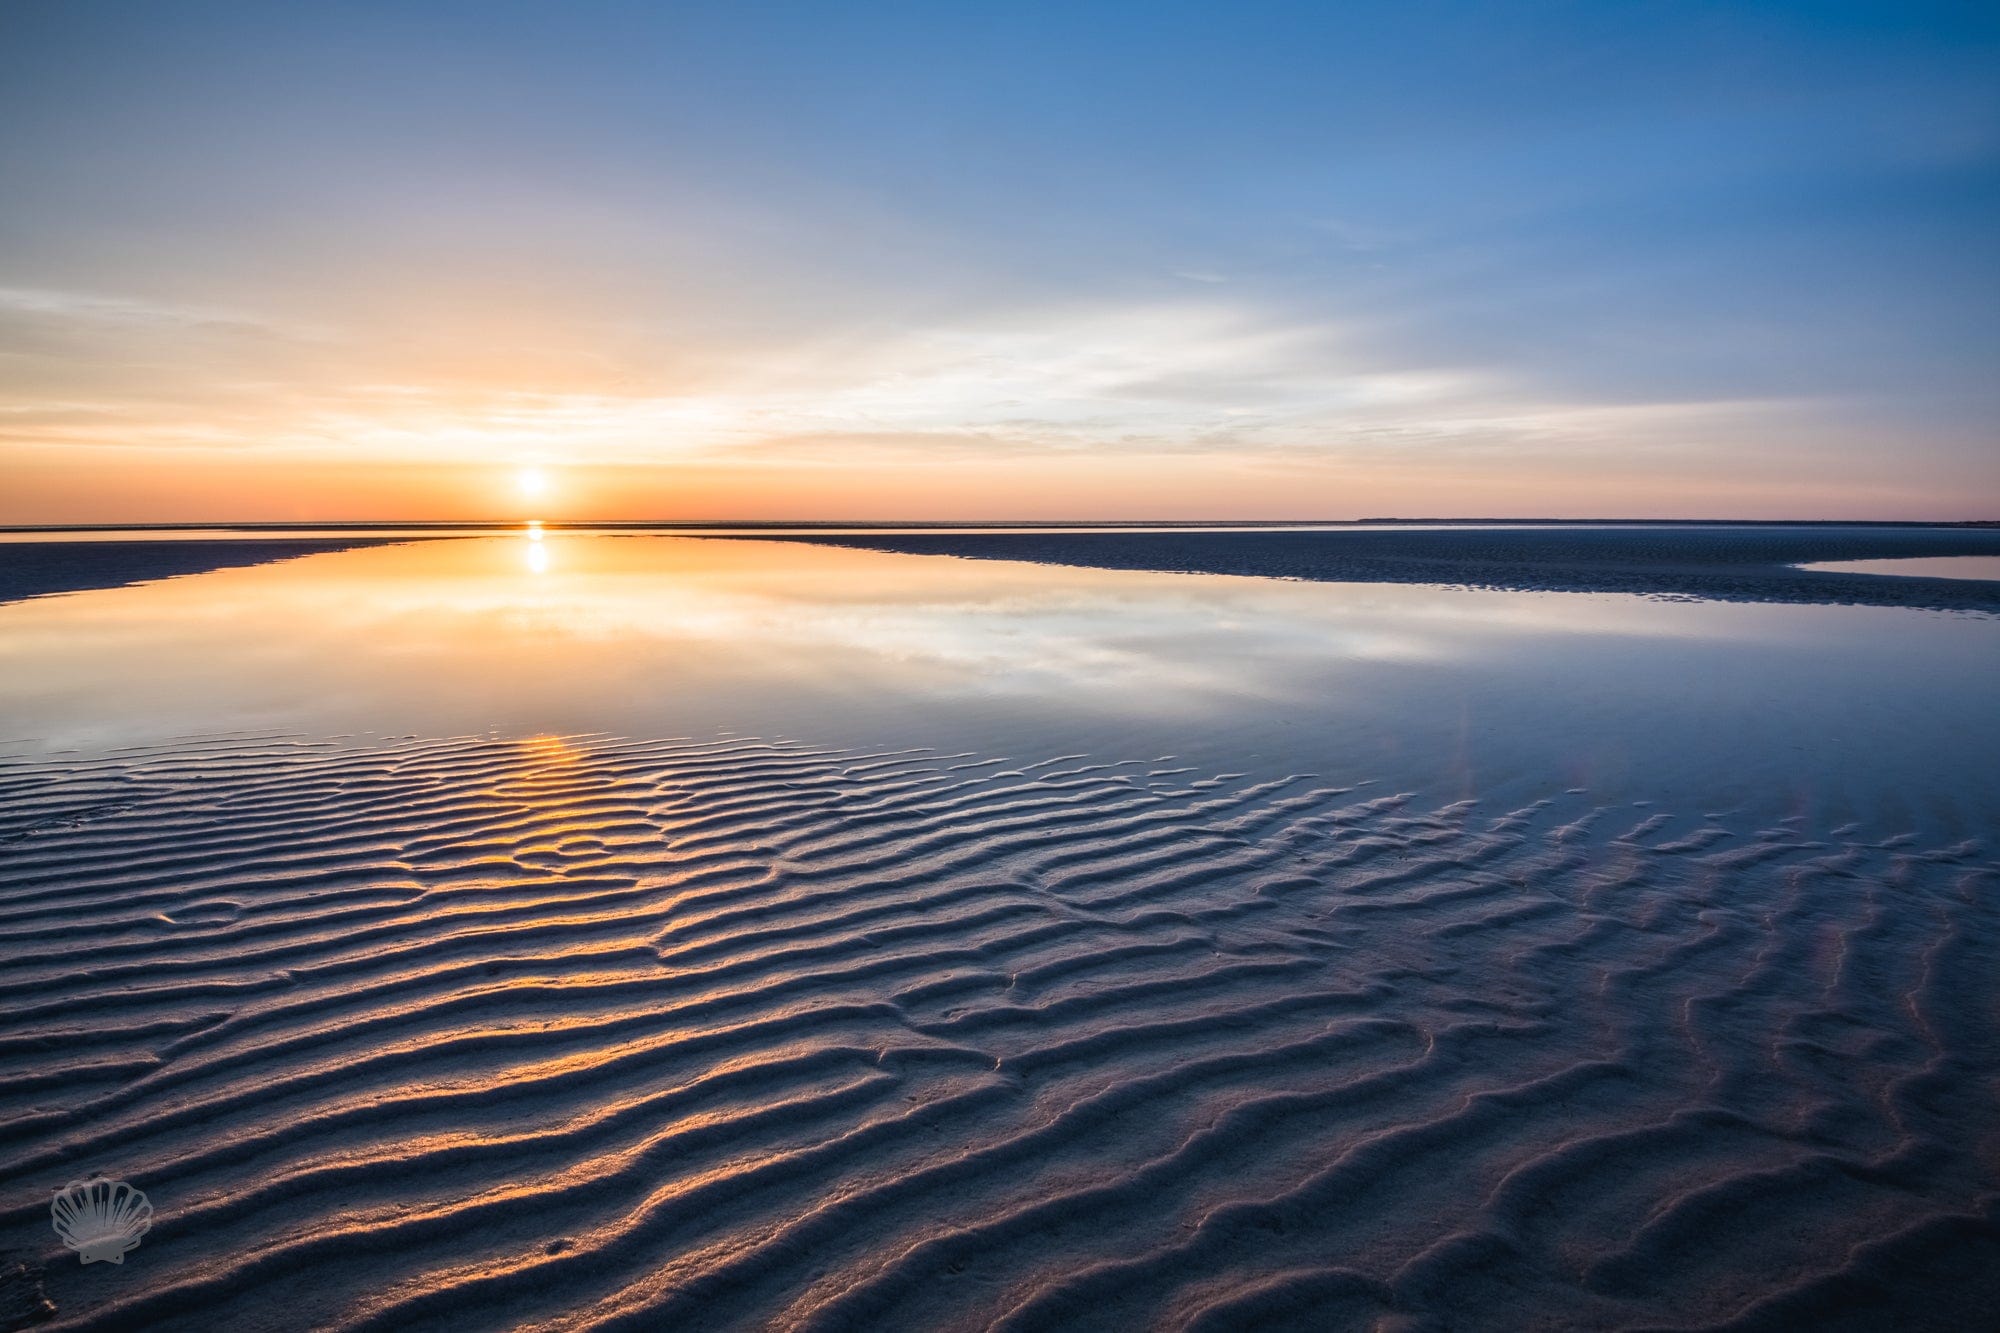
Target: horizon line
{"x": 452, "y": 525}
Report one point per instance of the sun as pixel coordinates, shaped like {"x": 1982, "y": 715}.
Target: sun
{"x": 533, "y": 482}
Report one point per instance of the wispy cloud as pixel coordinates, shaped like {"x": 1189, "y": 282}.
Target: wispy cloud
{"x": 19, "y": 305}
{"x": 1168, "y": 378}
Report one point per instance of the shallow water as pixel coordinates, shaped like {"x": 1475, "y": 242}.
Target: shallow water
{"x": 1853, "y": 713}
{"x": 643, "y": 932}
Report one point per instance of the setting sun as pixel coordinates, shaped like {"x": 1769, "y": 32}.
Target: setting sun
{"x": 532, "y": 482}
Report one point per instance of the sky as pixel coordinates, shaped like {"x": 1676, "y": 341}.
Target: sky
{"x": 967, "y": 260}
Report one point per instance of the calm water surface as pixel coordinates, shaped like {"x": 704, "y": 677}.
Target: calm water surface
{"x": 1843, "y": 713}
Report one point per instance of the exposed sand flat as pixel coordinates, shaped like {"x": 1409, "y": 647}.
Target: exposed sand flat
{"x": 35, "y": 569}
{"x": 593, "y": 1032}
{"x": 1940, "y": 567}
{"x": 1725, "y": 563}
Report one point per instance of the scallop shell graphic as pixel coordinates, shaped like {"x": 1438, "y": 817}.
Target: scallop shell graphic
{"x": 100, "y": 1219}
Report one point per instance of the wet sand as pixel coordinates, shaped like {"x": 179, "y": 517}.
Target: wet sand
{"x": 1723, "y": 563}
{"x": 649, "y": 932}
{"x": 593, "y": 1033}
{"x": 38, "y": 569}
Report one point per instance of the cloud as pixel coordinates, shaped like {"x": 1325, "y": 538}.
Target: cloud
{"x": 1205, "y": 382}
{"x": 23, "y": 306}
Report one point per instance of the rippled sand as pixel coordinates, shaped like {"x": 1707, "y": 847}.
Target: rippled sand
{"x": 596, "y": 1032}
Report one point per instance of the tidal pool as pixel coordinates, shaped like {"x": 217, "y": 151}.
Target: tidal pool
{"x": 1853, "y": 713}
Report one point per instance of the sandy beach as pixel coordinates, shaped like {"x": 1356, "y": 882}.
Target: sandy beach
{"x": 723, "y": 1028}
{"x": 1731, "y": 562}
{"x": 607, "y": 1033}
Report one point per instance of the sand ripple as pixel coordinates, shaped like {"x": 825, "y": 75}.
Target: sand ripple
{"x": 589, "y": 1032}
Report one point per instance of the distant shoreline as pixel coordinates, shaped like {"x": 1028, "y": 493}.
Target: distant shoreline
{"x": 1742, "y": 562}
{"x": 977, "y": 525}
{"x": 1712, "y": 562}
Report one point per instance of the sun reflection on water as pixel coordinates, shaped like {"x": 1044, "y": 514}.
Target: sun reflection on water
{"x": 671, "y": 636}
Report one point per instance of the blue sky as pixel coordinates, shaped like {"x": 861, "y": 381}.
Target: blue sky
{"x": 951, "y": 259}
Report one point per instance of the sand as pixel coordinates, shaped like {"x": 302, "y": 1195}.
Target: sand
{"x": 652, "y": 932}
{"x": 1725, "y": 562}
{"x": 38, "y": 569}
{"x": 591, "y": 1032}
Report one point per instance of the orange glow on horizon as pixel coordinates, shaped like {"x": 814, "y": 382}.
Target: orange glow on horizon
{"x": 133, "y": 488}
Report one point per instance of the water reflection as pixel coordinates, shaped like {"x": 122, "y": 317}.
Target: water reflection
{"x": 1449, "y": 691}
